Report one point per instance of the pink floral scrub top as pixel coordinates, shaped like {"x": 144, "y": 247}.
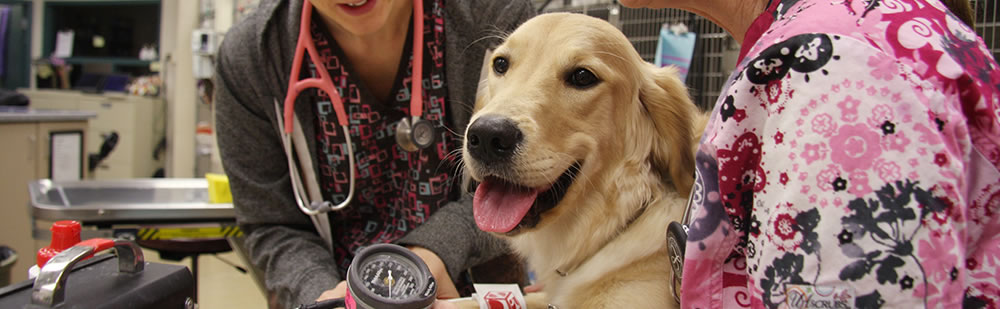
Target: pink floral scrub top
{"x": 851, "y": 161}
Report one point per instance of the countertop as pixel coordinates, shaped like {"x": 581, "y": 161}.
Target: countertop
{"x": 9, "y": 114}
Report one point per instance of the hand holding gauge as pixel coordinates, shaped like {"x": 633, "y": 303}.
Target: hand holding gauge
{"x": 385, "y": 276}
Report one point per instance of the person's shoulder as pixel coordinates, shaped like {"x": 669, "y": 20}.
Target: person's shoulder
{"x": 924, "y": 37}
{"x": 245, "y": 39}
{"x": 490, "y": 6}
{"x": 470, "y": 21}
{"x": 488, "y": 11}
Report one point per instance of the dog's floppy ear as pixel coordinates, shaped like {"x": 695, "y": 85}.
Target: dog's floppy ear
{"x": 665, "y": 98}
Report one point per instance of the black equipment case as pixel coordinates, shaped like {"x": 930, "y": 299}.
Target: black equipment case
{"x": 104, "y": 281}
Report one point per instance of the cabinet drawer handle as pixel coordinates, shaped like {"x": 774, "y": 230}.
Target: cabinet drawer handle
{"x": 32, "y": 152}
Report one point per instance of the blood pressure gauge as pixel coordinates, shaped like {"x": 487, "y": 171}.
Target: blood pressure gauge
{"x": 385, "y": 276}
{"x": 390, "y": 276}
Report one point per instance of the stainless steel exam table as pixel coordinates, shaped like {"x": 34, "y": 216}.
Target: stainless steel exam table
{"x": 170, "y": 215}
{"x": 158, "y": 200}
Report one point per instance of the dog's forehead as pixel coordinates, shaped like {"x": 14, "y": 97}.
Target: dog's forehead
{"x": 566, "y": 30}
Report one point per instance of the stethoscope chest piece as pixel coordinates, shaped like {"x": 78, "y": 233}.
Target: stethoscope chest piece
{"x": 390, "y": 276}
{"x": 414, "y": 134}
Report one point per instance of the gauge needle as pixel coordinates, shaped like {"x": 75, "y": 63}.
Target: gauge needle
{"x": 390, "y": 283}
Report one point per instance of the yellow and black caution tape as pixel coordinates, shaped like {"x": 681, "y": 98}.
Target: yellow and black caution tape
{"x": 176, "y": 232}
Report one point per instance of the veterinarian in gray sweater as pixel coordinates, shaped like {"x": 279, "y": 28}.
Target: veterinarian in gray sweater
{"x": 405, "y": 198}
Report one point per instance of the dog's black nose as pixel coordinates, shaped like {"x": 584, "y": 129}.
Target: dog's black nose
{"x": 493, "y": 138}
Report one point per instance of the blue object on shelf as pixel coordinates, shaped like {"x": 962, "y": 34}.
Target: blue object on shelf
{"x": 675, "y": 48}
{"x": 116, "y": 82}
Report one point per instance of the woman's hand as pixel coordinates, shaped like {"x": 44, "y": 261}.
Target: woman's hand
{"x": 446, "y": 288}
{"x": 341, "y": 290}
{"x": 337, "y": 292}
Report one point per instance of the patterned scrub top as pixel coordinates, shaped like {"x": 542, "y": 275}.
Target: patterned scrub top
{"x": 851, "y": 161}
{"x": 396, "y": 190}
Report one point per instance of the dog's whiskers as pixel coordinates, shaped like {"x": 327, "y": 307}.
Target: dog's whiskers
{"x": 459, "y": 137}
{"x": 452, "y": 158}
{"x": 458, "y": 169}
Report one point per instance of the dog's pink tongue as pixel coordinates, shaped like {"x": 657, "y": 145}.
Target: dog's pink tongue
{"x": 499, "y": 207}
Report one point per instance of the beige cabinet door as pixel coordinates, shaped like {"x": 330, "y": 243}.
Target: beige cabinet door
{"x": 18, "y": 166}
{"x": 139, "y": 122}
{"x": 112, "y": 116}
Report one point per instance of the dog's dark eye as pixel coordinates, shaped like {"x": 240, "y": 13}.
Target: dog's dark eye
{"x": 582, "y": 78}
{"x": 500, "y": 65}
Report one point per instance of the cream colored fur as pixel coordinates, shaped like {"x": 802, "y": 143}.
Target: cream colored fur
{"x": 633, "y": 133}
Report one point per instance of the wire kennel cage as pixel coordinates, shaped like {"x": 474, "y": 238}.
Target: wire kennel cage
{"x": 988, "y": 24}
{"x": 715, "y": 51}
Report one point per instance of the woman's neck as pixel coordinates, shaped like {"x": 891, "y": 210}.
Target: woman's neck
{"x": 375, "y": 56}
{"x": 733, "y": 16}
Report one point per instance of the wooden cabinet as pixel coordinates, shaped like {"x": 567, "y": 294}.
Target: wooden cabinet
{"x": 139, "y": 122}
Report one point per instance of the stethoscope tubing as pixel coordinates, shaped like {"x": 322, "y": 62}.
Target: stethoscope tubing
{"x": 296, "y": 178}
{"x": 325, "y": 83}
{"x": 287, "y": 120}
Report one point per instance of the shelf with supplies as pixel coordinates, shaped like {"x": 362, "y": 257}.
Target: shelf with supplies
{"x": 137, "y": 121}
{"x": 117, "y": 61}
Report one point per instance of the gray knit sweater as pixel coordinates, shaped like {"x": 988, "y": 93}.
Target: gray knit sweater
{"x": 252, "y": 71}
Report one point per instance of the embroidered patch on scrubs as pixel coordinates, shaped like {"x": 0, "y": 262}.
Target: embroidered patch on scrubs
{"x": 803, "y": 296}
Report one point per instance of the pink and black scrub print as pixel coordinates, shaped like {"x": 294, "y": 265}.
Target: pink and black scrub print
{"x": 396, "y": 191}
{"x": 851, "y": 161}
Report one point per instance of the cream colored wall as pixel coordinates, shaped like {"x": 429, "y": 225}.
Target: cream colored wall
{"x": 224, "y": 10}
{"x": 37, "y": 11}
{"x": 181, "y": 17}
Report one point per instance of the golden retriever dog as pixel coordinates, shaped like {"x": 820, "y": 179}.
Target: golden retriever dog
{"x": 584, "y": 153}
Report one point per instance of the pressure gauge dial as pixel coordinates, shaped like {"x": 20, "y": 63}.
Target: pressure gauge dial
{"x": 390, "y": 276}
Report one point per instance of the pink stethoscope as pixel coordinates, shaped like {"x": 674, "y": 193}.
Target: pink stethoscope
{"x": 412, "y": 134}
